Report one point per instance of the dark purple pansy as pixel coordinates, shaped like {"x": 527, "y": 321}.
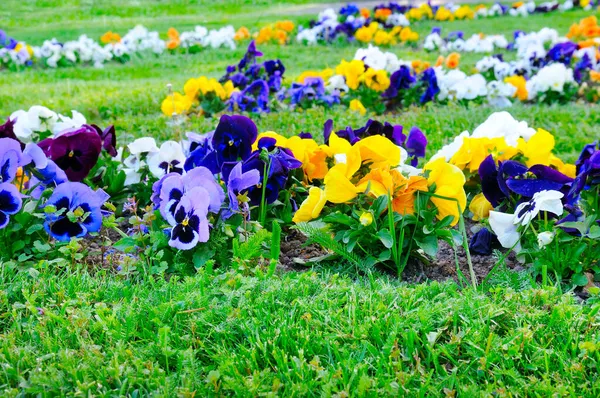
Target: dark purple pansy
{"x": 250, "y": 57}
{"x": 401, "y": 80}
{"x": 233, "y": 138}
{"x": 562, "y": 52}
{"x": 327, "y": 130}
{"x": 10, "y": 202}
{"x": 546, "y": 179}
{"x": 416, "y": 145}
{"x": 76, "y": 151}
{"x": 483, "y": 242}
{"x": 254, "y": 98}
{"x": 429, "y": 78}
{"x": 109, "y": 139}
{"x": 374, "y": 127}
{"x": 190, "y": 223}
{"x": 77, "y": 211}
{"x": 7, "y": 131}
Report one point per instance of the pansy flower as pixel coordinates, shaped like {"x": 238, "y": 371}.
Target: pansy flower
{"x": 109, "y": 139}
{"x": 233, "y": 139}
{"x": 169, "y": 190}
{"x": 44, "y": 172}
{"x": 73, "y": 210}
{"x": 76, "y": 151}
{"x": 237, "y": 186}
{"x": 190, "y": 223}
{"x": 169, "y": 159}
{"x": 7, "y": 130}
{"x": 11, "y": 158}
{"x": 10, "y": 202}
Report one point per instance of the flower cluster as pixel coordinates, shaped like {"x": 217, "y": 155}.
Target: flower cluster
{"x": 352, "y": 22}
{"x": 381, "y": 37}
{"x": 112, "y": 47}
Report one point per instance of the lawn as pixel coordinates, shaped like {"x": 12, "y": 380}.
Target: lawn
{"x": 71, "y": 330}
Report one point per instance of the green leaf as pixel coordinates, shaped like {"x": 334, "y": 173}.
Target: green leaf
{"x": 594, "y": 232}
{"x": 385, "y": 237}
{"x": 34, "y": 228}
{"x": 579, "y": 279}
{"x": 339, "y": 218}
{"x": 379, "y": 205}
{"x": 428, "y": 243}
{"x": 125, "y": 244}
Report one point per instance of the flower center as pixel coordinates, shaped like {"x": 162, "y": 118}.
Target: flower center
{"x": 230, "y": 142}
{"x": 71, "y": 154}
{"x": 185, "y": 222}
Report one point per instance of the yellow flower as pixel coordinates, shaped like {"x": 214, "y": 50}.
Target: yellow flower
{"x": 366, "y": 219}
{"x": 453, "y": 60}
{"x": 382, "y": 38}
{"x": 110, "y": 37}
{"x": 338, "y": 188}
{"x": 480, "y": 207}
{"x": 351, "y": 71}
{"x": 449, "y": 183}
{"x": 364, "y": 35}
{"x": 312, "y": 156}
{"x": 595, "y": 76}
{"x": 242, "y": 34}
{"x": 191, "y": 88}
{"x": 443, "y": 14}
{"x": 229, "y": 88}
{"x": 280, "y": 140}
{"x": 311, "y": 207}
{"x": 377, "y": 80}
{"x": 407, "y": 34}
{"x": 464, "y": 12}
{"x": 474, "y": 150}
{"x": 379, "y": 151}
{"x": 520, "y": 84}
{"x": 414, "y": 14}
{"x": 175, "y": 103}
{"x": 426, "y": 10}
{"x": 325, "y": 74}
{"x": 570, "y": 170}
{"x": 287, "y": 26}
{"x": 538, "y": 149}
{"x": 357, "y": 106}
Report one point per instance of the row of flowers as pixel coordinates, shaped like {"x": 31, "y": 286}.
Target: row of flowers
{"x": 360, "y": 193}
{"x": 139, "y": 41}
{"x": 377, "y": 81}
{"x": 354, "y": 23}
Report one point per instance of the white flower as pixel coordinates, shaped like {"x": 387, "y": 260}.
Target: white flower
{"x": 549, "y": 201}
{"x": 502, "y": 124}
{"x": 170, "y": 158}
{"x": 41, "y": 118}
{"x": 337, "y": 82}
{"x": 552, "y": 77}
{"x": 142, "y": 145}
{"x": 22, "y": 128}
{"x": 545, "y": 238}
{"x": 65, "y": 122}
{"x": 397, "y": 20}
{"x": 505, "y": 229}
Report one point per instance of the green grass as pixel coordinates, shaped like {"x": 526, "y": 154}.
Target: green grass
{"x": 310, "y": 334}
{"x": 66, "y": 332}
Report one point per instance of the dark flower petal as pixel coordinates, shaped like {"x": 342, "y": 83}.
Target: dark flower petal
{"x": 488, "y": 174}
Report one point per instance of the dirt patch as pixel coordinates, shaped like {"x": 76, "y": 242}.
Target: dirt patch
{"x": 295, "y": 254}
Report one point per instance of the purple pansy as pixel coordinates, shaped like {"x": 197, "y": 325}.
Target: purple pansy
{"x": 168, "y": 191}
{"x": 76, "y": 151}
{"x": 429, "y": 78}
{"x": 7, "y": 131}
{"x": 190, "y": 223}
{"x": 416, "y": 145}
{"x": 77, "y": 211}
{"x": 483, "y": 242}
{"x": 44, "y": 172}
{"x": 401, "y": 80}
{"x": 237, "y": 185}
{"x": 10, "y": 202}
{"x": 109, "y": 139}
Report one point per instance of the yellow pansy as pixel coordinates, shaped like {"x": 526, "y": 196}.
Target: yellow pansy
{"x": 357, "y": 106}
{"x": 474, "y": 150}
{"x": 480, "y": 207}
{"x": 351, "y": 71}
{"x": 229, "y": 88}
{"x": 538, "y": 149}
{"x": 443, "y": 14}
{"x": 312, "y": 156}
{"x": 325, "y": 74}
{"x": 366, "y": 219}
{"x": 311, "y": 207}
{"x": 338, "y": 188}
{"x": 175, "y": 104}
{"x": 379, "y": 151}
{"x": 426, "y": 10}
{"x": 567, "y": 169}
{"x": 464, "y": 12}
{"x": 347, "y": 158}
{"x": 449, "y": 183}
{"x": 280, "y": 140}
{"x": 191, "y": 88}
{"x": 377, "y": 80}
{"x": 520, "y": 84}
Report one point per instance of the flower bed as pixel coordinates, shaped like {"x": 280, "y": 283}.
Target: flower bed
{"x": 225, "y": 196}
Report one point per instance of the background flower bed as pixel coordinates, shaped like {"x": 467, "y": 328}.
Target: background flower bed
{"x": 203, "y": 337}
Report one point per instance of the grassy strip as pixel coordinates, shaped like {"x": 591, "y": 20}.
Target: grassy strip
{"x": 296, "y": 334}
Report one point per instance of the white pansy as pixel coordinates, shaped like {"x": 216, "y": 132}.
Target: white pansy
{"x": 22, "y": 127}
{"x": 65, "y": 122}
{"x": 142, "y": 145}
{"x": 503, "y": 124}
{"x": 549, "y": 201}
{"x": 170, "y": 158}
{"x": 545, "y": 238}
{"x": 41, "y": 118}
{"x": 337, "y": 82}
{"x": 502, "y": 224}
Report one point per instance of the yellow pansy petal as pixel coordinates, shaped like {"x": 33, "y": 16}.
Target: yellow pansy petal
{"x": 311, "y": 207}
{"x": 338, "y": 188}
